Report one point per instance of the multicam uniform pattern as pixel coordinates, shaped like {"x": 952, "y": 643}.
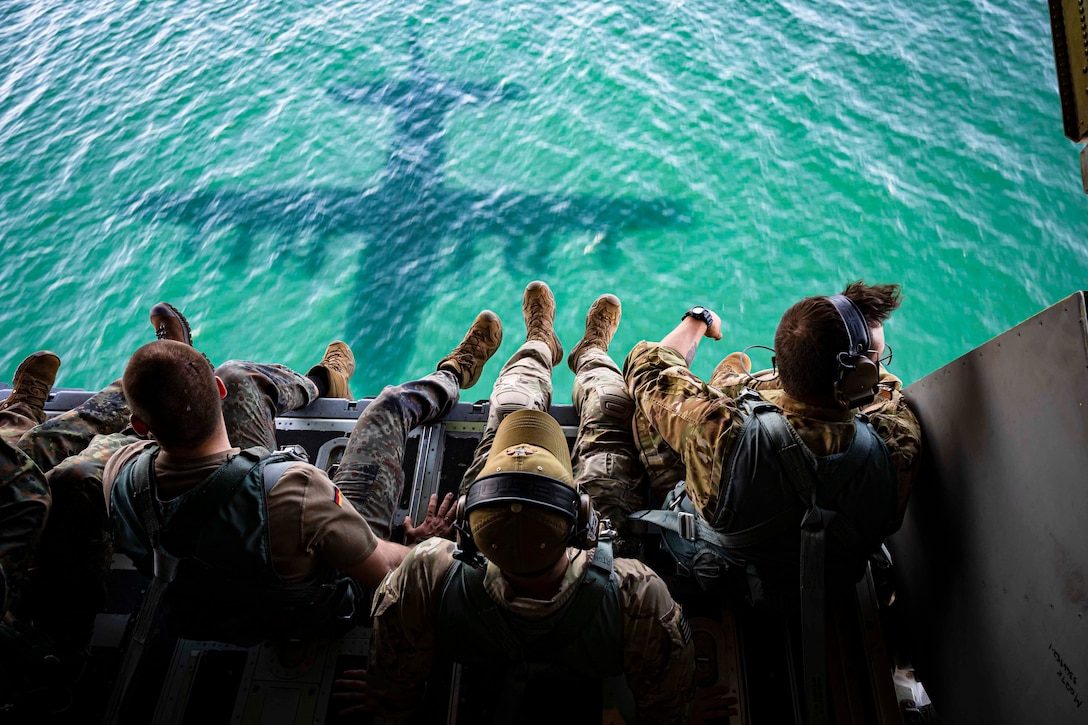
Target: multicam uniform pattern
{"x": 604, "y": 459}
{"x": 658, "y": 654}
{"x": 685, "y": 428}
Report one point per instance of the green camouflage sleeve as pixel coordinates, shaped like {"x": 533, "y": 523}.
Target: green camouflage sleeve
{"x": 898, "y": 427}
{"x": 659, "y": 657}
{"x": 404, "y": 611}
{"x": 688, "y": 417}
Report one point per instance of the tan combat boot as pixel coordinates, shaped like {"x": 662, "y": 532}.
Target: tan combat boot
{"x": 170, "y": 324}
{"x": 538, "y": 307}
{"x": 338, "y": 366}
{"x": 602, "y": 320}
{"x": 33, "y": 379}
{"x": 467, "y": 360}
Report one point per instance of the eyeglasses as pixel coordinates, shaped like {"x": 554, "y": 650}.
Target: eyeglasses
{"x": 887, "y": 359}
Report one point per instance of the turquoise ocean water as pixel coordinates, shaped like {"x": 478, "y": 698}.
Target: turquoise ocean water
{"x": 291, "y": 172}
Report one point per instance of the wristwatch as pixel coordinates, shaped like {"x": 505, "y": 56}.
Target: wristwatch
{"x": 700, "y": 313}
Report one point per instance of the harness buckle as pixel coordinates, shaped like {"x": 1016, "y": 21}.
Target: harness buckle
{"x": 686, "y": 523}
{"x": 297, "y": 450}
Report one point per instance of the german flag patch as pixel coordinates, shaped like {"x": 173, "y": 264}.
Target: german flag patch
{"x": 338, "y": 497}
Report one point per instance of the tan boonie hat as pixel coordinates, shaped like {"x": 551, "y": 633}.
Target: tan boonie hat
{"x": 520, "y": 537}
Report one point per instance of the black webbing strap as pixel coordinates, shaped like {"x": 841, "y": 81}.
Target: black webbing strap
{"x": 800, "y": 466}
{"x": 581, "y": 610}
{"x": 190, "y": 519}
{"x": 165, "y": 566}
{"x": 695, "y": 528}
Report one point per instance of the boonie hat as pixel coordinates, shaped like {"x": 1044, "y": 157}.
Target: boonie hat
{"x": 519, "y": 536}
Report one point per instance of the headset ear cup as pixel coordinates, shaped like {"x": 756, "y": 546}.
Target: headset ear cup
{"x": 588, "y": 522}
{"x": 858, "y": 377}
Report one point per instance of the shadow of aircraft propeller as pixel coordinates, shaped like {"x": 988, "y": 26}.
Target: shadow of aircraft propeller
{"x": 420, "y": 231}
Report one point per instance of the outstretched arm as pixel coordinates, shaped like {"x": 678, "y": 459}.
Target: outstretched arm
{"x": 384, "y": 559}
{"x": 388, "y": 555}
{"x": 686, "y": 336}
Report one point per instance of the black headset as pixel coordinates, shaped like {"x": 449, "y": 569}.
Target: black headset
{"x": 531, "y": 489}
{"x": 855, "y": 384}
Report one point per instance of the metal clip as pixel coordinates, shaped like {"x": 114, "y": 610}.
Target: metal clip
{"x": 687, "y": 525}
{"x": 605, "y": 530}
{"x": 297, "y": 450}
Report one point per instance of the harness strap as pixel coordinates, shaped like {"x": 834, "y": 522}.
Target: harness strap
{"x": 584, "y": 605}
{"x": 218, "y": 488}
{"x": 192, "y": 517}
{"x": 165, "y": 567}
{"x": 800, "y": 465}
{"x": 274, "y": 471}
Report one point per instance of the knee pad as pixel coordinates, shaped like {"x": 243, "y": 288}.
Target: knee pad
{"x": 506, "y": 401}
{"x": 614, "y": 403}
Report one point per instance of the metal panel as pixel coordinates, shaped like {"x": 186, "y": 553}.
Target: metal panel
{"x": 1070, "y": 35}
{"x": 994, "y": 549}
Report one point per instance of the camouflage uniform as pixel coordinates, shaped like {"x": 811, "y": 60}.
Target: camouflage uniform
{"x": 24, "y": 500}
{"x": 371, "y": 473}
{"x": 604, "y": 458}
{"x": 73, "y": 448}
{"x": 17, "y": 420}
{"x": 685, "y": 428}
{"x": 658, "y": 656}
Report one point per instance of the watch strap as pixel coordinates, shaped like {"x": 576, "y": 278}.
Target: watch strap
{"x": 700, "y": 313}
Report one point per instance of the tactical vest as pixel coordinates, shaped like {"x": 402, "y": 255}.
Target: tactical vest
{"x": 226, "y": 588}
{"x": 581, "y": 642}
{"x": 757, "y": 526}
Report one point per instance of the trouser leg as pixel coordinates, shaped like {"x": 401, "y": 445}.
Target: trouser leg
{"x": 604, "y": 458}
{"x": 66, "y": 588}
{"x": 525, "y": 383}
{"x": 24, "y": 503}
{"x": 256, "y": 394}
{"x": 17, "y": 420}
{"x": 70, "y": 432}
{"x": 371, "y": 473}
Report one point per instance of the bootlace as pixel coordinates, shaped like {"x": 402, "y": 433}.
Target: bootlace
{"x": 601, "y": 325}
{"x": 337, "y": 361}
{"x": 537, "y": 317}
{"x": 161, "y": 332}
{"x": 471, "y": 345}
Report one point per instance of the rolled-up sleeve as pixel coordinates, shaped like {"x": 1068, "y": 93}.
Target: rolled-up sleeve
{"x": 696, "y": 420}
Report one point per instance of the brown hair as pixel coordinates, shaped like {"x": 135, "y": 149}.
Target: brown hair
{"x": 811, "y": 335}
{"x": 171, "y": 388}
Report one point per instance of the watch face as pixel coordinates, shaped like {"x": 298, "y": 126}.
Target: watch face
{"x": 698, "y": 310}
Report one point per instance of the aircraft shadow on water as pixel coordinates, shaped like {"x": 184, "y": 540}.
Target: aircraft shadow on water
{"x": 419, "y": 230}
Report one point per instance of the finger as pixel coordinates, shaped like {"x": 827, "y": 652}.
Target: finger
{"x": 349, "y": 697}
{"x": 355, "y": 710}
{"x": 445, "y": 511}
{"x": 349, "y": 687}
{"x": 432, "y": 504}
